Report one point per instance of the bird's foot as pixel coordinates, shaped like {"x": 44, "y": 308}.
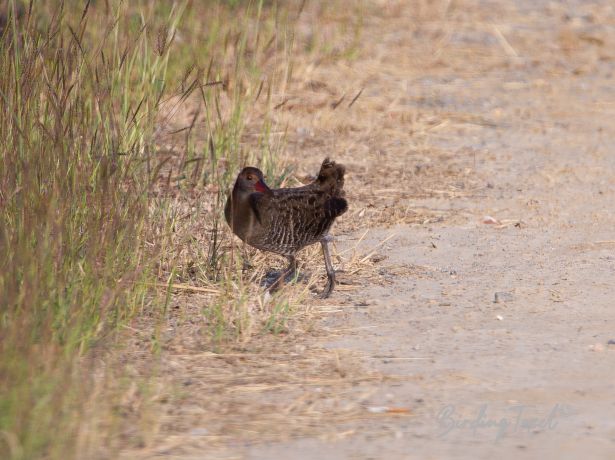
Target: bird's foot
{"x": 271, "y": 278}
{"x": 328, "y": 287}
{"x": 324, "y": 242}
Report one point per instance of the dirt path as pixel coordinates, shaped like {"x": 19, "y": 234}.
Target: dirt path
{"x": 531, "y": 376}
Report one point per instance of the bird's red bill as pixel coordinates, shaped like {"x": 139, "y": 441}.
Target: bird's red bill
{"x": 261, "y": 187}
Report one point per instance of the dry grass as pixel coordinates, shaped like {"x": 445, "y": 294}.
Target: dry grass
{"x": 73, "y": 181}
{"x": 266, "y": 390}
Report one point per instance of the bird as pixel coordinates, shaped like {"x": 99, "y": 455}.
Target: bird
{"x": 286, "y": 220}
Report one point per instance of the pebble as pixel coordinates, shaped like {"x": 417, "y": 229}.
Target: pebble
{"x": 597, "y": 347}
{"x": 377, "y": 409}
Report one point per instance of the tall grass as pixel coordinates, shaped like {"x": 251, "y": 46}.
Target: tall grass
{"x": 81, "y": 86}
{"x": 244, "y": 59}
{"x": 75, "y": 131}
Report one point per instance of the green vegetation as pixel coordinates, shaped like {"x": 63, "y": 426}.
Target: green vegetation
{"x": 85, "y": 226}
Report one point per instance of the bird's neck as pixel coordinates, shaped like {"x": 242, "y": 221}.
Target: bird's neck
{"x": 241, "y": 197}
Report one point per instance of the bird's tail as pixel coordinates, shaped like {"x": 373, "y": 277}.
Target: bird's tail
{"x": 335, "y": 207}
{"x": 331, "y": 178}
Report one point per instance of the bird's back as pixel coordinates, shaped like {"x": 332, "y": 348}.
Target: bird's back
{"x": 292, "y": 218}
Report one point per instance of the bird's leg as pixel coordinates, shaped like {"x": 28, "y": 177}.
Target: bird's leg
{"x": 289, "y": 273}
{"x": 328, "y": 266}
{"x": 291, "y": 269}
{"x": 246, "y": 265}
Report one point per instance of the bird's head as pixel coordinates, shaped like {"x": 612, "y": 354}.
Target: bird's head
{"x": 251, "y": 180}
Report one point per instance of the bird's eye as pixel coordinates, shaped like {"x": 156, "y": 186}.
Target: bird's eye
{"x": 249, "y": 177}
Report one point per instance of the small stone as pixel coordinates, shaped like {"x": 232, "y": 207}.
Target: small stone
{"x": 499, "y": 318}
{"x": 597, "y": 347}
{"x": 501, "y": 297}
{"x": 377, "y": 409}
{"x": 490, "y": 220}
{"x": 611, "y": 342}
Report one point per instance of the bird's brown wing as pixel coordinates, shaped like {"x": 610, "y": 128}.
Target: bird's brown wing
{"x": 294, "y": 218}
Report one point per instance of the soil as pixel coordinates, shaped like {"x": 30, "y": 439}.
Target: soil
{"x": 480, "y": 163}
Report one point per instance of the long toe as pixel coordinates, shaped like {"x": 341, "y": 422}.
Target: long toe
{"x": 328, "y": 288}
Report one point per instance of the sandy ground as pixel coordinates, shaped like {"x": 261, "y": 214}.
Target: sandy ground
{"x": 532, "y": 375}
{"x": 468, "y": 109}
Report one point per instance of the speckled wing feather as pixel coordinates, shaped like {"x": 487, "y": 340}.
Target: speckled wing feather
{"x": 293, "y": 218}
